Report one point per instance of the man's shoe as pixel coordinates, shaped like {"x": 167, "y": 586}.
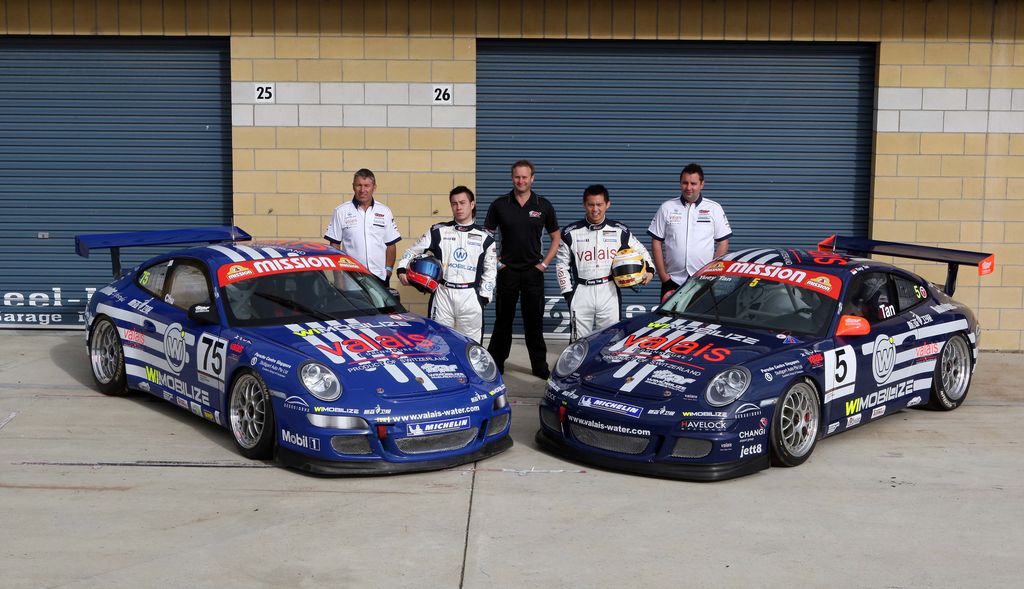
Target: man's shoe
{"x": 542, "y": 373}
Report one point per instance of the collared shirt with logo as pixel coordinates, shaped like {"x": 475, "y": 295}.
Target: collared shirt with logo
{"x": 521, "y": 228}
{"x": 364, "y": 234}
{"x": 688, "y": 232}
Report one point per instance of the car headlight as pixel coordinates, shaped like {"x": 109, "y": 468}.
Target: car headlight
{"x": 320, "y": 381}
{"x": 481, "y": 361}
{"x": 571, "y": 358}
{"x": 727, "y": 386}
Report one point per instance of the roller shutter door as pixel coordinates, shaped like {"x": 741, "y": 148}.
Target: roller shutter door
{"x": 783, "y": 132}
{"x": 101, "y": 135}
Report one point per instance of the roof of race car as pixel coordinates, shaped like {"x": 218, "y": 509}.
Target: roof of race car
{"x": 217, "y": 254}
{"x": 822, "y": 271}
{"x": 826, "y": 262}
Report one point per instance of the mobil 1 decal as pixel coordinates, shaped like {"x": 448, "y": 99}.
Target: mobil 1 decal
{"x": 363, "y": 349}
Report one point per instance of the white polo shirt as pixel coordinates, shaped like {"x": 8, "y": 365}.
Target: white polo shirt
{"x": 688, "y": 233}
{"x": 364, "y": 234}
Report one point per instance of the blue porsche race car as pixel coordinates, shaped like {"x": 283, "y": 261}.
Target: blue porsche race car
{"x": 759, "y": 355}
{"x": 298, "y": 350}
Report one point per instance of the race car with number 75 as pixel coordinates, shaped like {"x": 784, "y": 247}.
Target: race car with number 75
{"x": 761, "y": 354}
{"x": 295, "y": 348}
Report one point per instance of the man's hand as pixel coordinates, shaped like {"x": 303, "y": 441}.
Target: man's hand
{"x": 648, "y": 278}
{"x": 403, "y": 279}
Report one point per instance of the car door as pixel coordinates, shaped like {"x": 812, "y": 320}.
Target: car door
{"x": 867, "y": 375}
{"x": 925, "y": 336}
{"x": 193, "y": 359}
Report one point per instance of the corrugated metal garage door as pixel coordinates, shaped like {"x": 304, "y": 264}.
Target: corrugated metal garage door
{"x": 100, "y": 135}
{"x": 783, "y": 132}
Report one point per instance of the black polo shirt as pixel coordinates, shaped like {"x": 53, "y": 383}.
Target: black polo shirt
{"x": 521, "y": 228}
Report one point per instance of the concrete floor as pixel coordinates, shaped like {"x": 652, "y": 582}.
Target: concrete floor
{"x": 133, "y": 492}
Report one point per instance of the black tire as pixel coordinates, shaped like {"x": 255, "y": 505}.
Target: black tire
{"x": 952, "y": 378}
{"x": 106, "y": 357}
{"x": 796, "y": 424}
{"x": 251, "y": 416}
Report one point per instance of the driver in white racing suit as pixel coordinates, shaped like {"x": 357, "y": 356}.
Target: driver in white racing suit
{"x": 469, "y": 266}
{"x": 583, "y": 264}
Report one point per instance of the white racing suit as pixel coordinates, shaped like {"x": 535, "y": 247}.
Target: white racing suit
{"x": 469, "y": 266}
{"x": 583, "y": 266}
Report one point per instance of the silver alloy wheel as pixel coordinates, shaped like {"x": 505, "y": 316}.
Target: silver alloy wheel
{"x": 105, "y": 352}
{"x": 248, "y": 411}
{"x": 955, "y": 368}
{"x": 799, "y": 419}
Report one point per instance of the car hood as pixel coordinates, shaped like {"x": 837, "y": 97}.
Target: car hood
{"x": 658, "y": 356}
{"x": 398, "y": 355}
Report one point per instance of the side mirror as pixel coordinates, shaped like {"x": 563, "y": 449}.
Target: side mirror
{"x": 203, "y": 313}
{"x": 852, "y": 325}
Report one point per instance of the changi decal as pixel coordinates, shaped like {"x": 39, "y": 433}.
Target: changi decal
{"x": 824, "y": 283}
{"x": 236, "y": 271}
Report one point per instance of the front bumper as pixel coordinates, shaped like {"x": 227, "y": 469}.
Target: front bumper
{"x": 672, "y": 470}
{"x": 311, "y": 464}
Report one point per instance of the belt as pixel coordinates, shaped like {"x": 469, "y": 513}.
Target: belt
{"x": 457, "y": 284}
{"x": 593, "y": 281}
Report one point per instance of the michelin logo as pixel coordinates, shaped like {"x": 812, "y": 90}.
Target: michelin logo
{"x": 438, "y": 427}
{"x": 612, "y": 406}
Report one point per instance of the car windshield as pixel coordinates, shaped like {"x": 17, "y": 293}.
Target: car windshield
{"x": 754, "y": 302}
{"x": 305, "y": 295}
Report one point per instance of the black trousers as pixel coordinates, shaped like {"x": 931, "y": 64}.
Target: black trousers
{"x": 667, "y": 287}
{"x": 513, "y": 285}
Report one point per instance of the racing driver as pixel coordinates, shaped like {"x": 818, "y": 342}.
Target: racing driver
{"x": 469, "y": 265}
{"x": 583, "y": 264}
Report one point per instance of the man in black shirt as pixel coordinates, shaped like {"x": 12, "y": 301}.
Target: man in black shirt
{"x": 521, "y": 217}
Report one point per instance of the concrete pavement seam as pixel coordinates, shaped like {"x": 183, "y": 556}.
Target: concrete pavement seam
{"x": 469, "y": 519}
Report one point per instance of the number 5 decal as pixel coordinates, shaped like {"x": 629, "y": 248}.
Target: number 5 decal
{"x": 211, "y": 359}
{"x": 840, "y": 372}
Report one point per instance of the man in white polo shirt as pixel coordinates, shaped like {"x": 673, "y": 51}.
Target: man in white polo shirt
{"x": 365, "y": 228}
{"x": 687, "y": 232}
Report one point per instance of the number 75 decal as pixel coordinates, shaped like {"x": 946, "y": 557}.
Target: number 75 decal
{"x": 840, "y": 372}
{"x": 210, "y": 362}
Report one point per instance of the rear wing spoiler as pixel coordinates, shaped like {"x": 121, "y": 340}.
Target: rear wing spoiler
{"x": 953, "y": 258}
{"x": 115, "y": 241}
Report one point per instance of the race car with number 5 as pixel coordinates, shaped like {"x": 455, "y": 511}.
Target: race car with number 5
{"x": 759, "y": 355}
{"x": 298, "y": 350}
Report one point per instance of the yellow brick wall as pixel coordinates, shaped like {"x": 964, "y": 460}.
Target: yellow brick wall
{"x": 939, "y": 186}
